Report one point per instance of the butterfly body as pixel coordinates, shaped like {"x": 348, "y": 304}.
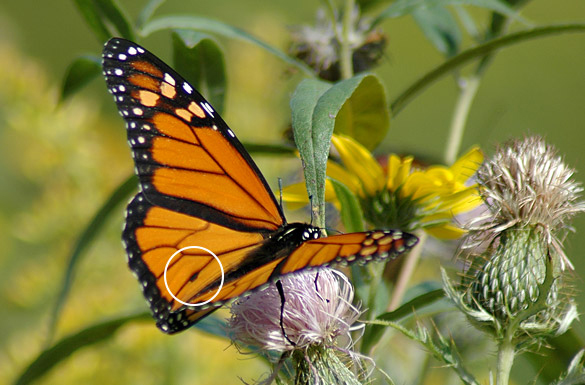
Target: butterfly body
{"x": 199, "y": 187}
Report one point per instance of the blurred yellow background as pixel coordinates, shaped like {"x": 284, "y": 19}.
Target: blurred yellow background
{"x": 59, "y": 163}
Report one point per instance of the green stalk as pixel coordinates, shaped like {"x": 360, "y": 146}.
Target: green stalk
{"x": 506, "y": 352}
{"x": 478, "y": 52}
{"x": 460, "y": 115}
{"x": 345, "y": 53}
{"x": 406, "y": 272}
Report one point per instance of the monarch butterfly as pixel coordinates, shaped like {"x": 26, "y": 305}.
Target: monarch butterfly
{"x": 199, "y": 187}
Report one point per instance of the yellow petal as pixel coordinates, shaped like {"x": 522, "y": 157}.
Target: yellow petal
{"x": 296, "y": 197}
{"x": 462, "y": 201}
{"x": 440, "y": 179}
{"x": 446, "y": 231}
{"x": 417, "y": 186}
{"x": 467, "y": 165}
{"x": 335, "y": 171}
{"x": 358, "y": 161}
{"x": 398, "y": 171}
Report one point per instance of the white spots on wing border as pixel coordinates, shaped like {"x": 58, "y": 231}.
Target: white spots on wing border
{"x": 169, "y": 79}
{"x": 187, "y": 87}
{"x": 208, "y": 108}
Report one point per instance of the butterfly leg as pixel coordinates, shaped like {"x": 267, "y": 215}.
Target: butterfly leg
{"x": 282, "y": 301}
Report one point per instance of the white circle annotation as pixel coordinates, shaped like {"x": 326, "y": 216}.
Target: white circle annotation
{"x": 169, "y": 262}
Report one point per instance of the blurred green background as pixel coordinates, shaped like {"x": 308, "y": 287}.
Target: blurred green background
{"x": 58, "y": 163}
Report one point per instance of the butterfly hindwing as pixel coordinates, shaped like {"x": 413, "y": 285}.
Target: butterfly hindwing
{"x": 199, "y": 187}
{"x": 345, "y": 249}
{"x": 153, "y": 234}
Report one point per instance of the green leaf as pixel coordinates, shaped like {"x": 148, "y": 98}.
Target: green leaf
{"x": 367, "y": 4}
{"x": 302, "y": 104}
{"x": 440, "y": 27}
{"x": 208, "y": 25}
{"x": 90, "y": 12}
{"x": 365, "y": 115}
{"x": 559, "y": 352}
{"x": 214, "y": 326}
{"x": 351, "y": 211}
{"x": 112, "y": 12}
{"x": 420, "y": 305}
{"x": 575, "y": 374}
{"x": 85, "y": 239}
{"x": 325, "y": 117}
{"x": 147, "y": 12}
{"x": 354, "y": 106}
{"x": 52, "y": 356}
{"x": 405, "y": 7}
{"x": 99, "y": 13}
{"x": 477, "y": 52}
{"x": 198, "y": 57}
{"x": 468, "y": 23}
{"x": 80, "y": 72}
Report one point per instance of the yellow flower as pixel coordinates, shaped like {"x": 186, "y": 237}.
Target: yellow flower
{"x": 401, "y": 197}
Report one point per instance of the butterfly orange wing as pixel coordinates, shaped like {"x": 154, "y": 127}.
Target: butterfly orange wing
{"x": 199, "y": 187}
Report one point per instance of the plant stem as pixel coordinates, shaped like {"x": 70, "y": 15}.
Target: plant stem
{"x": 406, "y": 273}
{"x": 506, "y": 351}
{"x": 345, "y": 54}
{"x": 468, "y": 91}
{"x": 477, "y": 52}
{"x": 376, "y": 279}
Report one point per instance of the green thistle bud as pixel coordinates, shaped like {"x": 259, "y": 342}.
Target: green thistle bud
{"x": 518, "y": 285}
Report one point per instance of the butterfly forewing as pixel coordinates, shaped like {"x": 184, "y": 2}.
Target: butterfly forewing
{"x": 199, "y": 187}
{"x": 186, "y": 157}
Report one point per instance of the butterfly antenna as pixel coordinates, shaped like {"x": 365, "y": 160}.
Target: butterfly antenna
{"x": 280, "y": 190}
{"x": 280, "y": 195}
{"x": 282, "y": 301}
{"x": 331, "y": 230}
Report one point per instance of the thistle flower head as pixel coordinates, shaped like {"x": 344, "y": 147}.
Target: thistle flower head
{"x": 317, "y": 313}
{"x": 317, "y": 309}
{"x": 526, "y": 183}
{"x": 319, "y": 45}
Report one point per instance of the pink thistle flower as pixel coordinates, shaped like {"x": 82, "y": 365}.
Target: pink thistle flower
{"x": 317, "y": 316}
{"x": 317, "y": 309}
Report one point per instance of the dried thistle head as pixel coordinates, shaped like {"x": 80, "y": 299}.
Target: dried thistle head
{"x": 527, "y": 184}
{"x": 515, "y": 284}
{"x": 318, "y": 45}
